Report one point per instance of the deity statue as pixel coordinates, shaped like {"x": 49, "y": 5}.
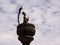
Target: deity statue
{"x": 24, "y": 14}
{"x": 25, "y": 19}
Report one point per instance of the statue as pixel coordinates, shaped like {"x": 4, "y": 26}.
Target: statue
{"x": 24, "y": 14}
{"x": 25, "y": 19}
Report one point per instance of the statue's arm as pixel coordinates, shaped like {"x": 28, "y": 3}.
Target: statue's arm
{"x": 19, "y": 13}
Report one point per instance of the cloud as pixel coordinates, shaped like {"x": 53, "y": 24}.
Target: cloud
{"x": 8, "y": 8}
{"x": 6, "y": 38}
{"x": 44, "y": 15}
{"x": 4, "y": 1}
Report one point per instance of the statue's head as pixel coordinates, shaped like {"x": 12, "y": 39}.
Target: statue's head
{"x": 24, "y": 13}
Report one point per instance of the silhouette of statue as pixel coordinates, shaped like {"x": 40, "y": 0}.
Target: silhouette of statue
{"x": 24, "y": 14}
{"x": 25, "y": 19}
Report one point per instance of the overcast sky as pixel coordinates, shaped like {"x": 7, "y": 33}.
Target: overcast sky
{"x": 44, "y": 14}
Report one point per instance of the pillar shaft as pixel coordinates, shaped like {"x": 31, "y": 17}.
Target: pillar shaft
{"x": 25, "y": 44}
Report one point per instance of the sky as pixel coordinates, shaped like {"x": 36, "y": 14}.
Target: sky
{"x": 44, "y": 14}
